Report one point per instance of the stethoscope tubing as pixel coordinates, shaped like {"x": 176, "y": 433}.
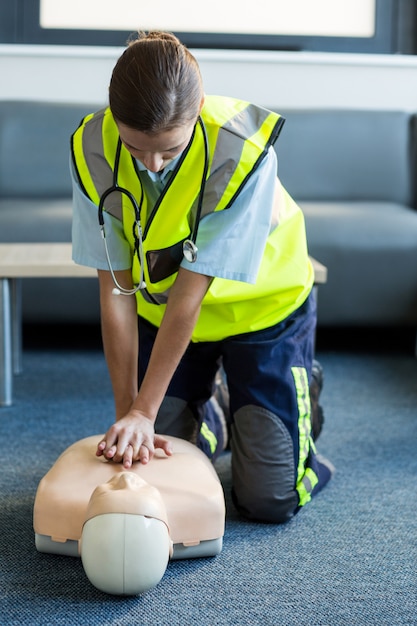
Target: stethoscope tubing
{"x": 189, "y": 245}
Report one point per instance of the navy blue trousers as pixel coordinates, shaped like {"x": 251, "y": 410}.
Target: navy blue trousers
{"x": 274, "y": 464}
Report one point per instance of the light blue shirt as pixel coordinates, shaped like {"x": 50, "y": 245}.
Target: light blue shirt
{"x": 230, "y": 243}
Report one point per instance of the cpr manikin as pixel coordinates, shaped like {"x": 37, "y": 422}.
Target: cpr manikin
{"x": 126, "y": 525}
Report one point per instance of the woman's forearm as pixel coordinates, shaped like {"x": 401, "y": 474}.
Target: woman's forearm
{"x": 120, "y": 341}
{"x": 173, "y": 337}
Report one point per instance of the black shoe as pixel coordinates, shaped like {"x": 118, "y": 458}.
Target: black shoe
{"x": 316, "y": 385}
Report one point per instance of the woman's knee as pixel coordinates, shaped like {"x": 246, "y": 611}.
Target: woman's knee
{"x": 263, "y": 466}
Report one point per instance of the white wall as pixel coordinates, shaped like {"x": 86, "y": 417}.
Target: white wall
{"x": 274, "y": 79}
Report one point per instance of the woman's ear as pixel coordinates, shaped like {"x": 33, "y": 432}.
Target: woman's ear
{"x": 202, "y": 103}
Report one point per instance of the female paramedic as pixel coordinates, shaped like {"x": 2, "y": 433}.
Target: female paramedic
{"x": 202, "y": 260}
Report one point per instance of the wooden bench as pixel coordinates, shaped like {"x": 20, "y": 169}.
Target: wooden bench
{"x": 17, "y": 261}
{"x": 40, "y": 260}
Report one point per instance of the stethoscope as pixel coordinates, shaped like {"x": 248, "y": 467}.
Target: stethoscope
{"x": 189, "y": 248}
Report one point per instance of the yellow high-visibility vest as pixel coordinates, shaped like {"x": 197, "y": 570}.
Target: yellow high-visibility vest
{"x": 239, "y": 135}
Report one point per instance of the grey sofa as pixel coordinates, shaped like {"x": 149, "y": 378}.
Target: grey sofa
{"x": 35, "y": 202}
{"x": 351, "y": 171}
{"x": 354, "y": 175}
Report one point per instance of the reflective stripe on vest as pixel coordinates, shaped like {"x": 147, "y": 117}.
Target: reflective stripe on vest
{"x": 306, "y": 478}
{"x": 93, "y": 163}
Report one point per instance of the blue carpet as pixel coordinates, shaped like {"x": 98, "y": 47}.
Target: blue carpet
{"x": 349, "y": 558}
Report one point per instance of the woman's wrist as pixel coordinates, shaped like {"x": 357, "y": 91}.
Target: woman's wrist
{"x": 140, "y": 409}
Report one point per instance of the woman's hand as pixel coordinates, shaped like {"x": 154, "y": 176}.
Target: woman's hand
{"x": 132, "y": 438}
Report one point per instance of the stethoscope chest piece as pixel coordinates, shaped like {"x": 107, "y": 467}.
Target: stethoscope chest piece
{"x": 189, "y": 250}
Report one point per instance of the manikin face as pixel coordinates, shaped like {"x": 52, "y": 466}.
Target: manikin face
{"x": 155, "y": 150}
{"x": 126, "y": 492}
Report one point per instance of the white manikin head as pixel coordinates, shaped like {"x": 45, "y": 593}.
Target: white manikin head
{"x": 125, "y": 543}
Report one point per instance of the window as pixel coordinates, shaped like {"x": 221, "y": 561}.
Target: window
{"x": 378, "y": 26}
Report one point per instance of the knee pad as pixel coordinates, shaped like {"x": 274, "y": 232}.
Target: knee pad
{"x": 263, "y": 466}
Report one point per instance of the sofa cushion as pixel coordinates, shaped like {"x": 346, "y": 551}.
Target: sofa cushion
{"x": 348, "y": 155}
{"x": 34, "y": 147}
{"x": 28, "y": 220}
{"x": 365, "y": 245}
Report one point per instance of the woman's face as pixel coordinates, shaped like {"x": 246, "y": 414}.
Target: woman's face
{"x": 155, "y": 150}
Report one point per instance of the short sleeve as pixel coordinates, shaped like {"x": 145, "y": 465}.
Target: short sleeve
{"x": 231, "y": 242}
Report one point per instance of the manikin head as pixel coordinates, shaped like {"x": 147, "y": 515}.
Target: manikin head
{"x": 125, "y": 543}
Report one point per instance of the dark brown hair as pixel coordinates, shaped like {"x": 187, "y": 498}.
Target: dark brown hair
{"x": 156, "y": 84}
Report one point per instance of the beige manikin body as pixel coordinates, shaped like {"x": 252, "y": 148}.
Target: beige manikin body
{"x": 181, "y": 494}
